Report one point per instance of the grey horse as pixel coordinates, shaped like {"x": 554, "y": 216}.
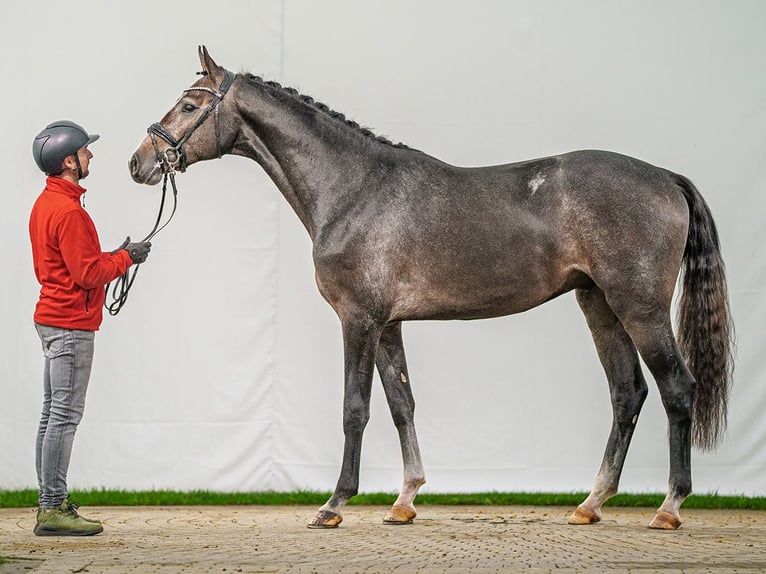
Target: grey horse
{"x": 399, "y": 235}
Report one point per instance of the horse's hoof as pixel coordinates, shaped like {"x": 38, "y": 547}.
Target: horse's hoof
{"x": 665, "y": 521}
{"x": 399, "y": 515}
{"x": 325, "y": 519}
{"x": 583, "y": 516}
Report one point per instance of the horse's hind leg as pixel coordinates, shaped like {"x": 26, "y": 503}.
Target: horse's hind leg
{"x": 627, "y": 389}
{"x": 657, "y": 345}
{"x": 392, "y": 367}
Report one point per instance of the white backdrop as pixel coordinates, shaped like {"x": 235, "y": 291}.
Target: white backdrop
{"x": 224, "y": 370}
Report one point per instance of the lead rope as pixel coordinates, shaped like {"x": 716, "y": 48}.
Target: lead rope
{"x": 123, "y": 283}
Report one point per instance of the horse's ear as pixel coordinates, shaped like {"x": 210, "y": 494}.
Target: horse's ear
{"x": 209, "y": 67}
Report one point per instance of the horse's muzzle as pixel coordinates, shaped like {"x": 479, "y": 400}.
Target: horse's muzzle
{"x": 143, "y": 172}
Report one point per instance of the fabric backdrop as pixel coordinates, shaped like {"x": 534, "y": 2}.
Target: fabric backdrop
{"x": 224, "y": 370}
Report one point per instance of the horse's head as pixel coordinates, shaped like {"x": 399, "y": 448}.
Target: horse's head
{"x": 190, "y": 132}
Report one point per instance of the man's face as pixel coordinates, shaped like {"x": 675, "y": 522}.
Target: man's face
{"x": 84, "y": 155}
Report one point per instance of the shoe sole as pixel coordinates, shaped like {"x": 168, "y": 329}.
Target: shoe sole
{"x": 42, "y": 531}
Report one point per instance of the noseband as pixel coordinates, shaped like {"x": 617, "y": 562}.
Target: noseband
{"x": 170, "y": 164}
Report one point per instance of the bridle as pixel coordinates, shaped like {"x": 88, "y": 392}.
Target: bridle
{"x": 169, "y": 165}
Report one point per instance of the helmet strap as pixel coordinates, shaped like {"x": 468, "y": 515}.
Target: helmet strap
{"x": 79, "y": 167}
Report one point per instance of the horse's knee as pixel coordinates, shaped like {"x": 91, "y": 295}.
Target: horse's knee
{"x": 402, "y": 414}
{"x": 638, "y": 403}
{"x": 629, "y": 399}
{"x": 637, "y": 395}
{"x": 354, "y": 425}
{"x": 640, "y": 387}
{"x": 355, "y": 418}
{"x": 401, "y": 404}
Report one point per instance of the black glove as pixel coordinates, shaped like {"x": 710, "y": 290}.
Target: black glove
{"x": 139, "y": 251}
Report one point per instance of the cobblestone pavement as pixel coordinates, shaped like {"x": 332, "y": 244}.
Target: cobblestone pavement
{"x": 226, "y": 539}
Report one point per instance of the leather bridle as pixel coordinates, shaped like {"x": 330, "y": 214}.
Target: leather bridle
{"x": 169, "y": 165}
{"x": 173, "y": 157}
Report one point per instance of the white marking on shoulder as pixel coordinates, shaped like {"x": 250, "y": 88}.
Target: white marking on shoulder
{"x": 535, "y": 183}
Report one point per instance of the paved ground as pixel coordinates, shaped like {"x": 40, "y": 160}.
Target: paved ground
{"x": 442, "y": 539}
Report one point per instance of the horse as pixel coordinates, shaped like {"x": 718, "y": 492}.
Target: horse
{"x": 398, "y": 235}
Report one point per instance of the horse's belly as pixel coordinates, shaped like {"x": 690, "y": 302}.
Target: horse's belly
{"x": 481, "y": 298}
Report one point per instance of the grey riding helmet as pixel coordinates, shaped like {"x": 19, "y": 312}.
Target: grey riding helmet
{"x": 58, "y": 141}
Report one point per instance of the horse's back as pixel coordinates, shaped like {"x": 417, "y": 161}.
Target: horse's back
{"x": 583, "y": 176}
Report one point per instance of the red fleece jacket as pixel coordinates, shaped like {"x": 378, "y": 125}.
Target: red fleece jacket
{"x": 68, "y": 260}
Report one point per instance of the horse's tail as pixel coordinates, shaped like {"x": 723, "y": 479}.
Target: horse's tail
{"x": 705, "y": 328}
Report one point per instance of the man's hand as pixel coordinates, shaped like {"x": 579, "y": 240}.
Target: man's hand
{"x": 139, "y": 251}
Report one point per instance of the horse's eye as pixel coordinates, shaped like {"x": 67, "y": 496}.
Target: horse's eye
{"x": 189, "y": 107}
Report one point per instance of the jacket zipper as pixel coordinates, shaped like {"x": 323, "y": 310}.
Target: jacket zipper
{"x": 87, "y": 301}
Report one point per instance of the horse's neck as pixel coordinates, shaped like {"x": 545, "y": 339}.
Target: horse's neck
{"x": 312, "y": 158}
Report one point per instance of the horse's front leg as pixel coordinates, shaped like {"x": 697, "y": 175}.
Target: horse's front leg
{"x": 392, "y": 367}
{"x": 360, "y": 341}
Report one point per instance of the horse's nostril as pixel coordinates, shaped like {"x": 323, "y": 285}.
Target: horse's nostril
{"x": 133, "y": 165}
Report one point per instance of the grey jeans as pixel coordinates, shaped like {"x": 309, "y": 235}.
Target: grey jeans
{"x": 68, "y": 359}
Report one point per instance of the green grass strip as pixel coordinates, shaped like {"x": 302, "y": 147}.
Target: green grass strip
{"x": 104, "y": 497}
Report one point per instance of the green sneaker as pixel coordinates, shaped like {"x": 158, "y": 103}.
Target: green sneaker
{"x": 65, "y": 521}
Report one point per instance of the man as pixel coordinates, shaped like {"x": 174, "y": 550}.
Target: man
{"x": 72, "y": 271}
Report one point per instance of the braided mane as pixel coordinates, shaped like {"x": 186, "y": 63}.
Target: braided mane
{"x": 322, "y": 108}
